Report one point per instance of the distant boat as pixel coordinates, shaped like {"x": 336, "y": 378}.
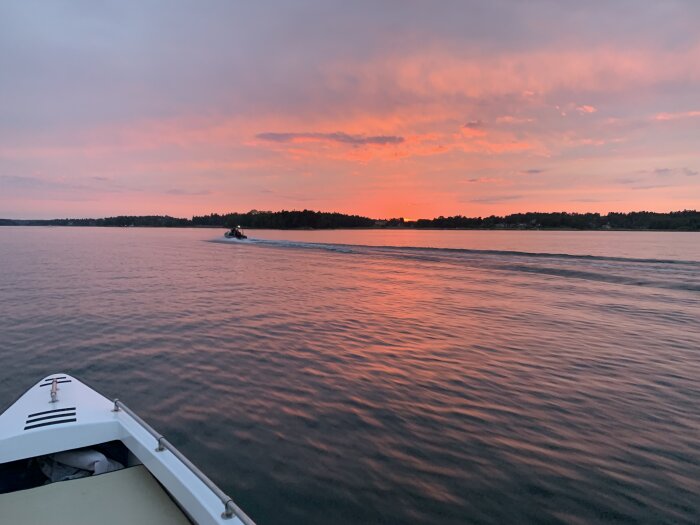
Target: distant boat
{"x": 235, "y": 233}
{"x": 70, "y": 455}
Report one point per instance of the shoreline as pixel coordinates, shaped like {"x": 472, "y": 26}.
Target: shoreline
{"x": 378, "y": 228}
{"x": 685, "y": 220}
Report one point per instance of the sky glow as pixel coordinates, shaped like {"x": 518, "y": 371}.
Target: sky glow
{"x": 396, "y": 108}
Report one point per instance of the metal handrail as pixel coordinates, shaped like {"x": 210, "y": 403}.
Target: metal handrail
{"x": 230, "y": 508}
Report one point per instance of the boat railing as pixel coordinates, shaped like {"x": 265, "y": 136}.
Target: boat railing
{"x": 230, "y": 508}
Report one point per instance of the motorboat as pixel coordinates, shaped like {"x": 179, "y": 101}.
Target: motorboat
{"x": 235, "y": 233}
{"x": 69, "y": 455}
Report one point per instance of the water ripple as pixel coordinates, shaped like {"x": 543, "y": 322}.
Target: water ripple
{"x": 380, "y": 384}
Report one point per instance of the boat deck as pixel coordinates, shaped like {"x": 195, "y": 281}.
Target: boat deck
{"x": 128, "y": 496}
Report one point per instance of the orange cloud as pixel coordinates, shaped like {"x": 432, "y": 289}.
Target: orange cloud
{"x": 676, "y": 116}
{"x": 406, "y": 131}
{"x": 602, "y": 69}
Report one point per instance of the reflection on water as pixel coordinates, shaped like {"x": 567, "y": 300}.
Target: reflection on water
{"x": 360, "y": 384}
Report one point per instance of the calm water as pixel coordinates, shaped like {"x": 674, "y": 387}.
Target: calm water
{"x": 386, "y": 377}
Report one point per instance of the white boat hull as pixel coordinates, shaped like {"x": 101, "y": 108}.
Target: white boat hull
{"x": 80, "y": 417}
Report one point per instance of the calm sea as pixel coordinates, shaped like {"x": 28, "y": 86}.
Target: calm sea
{"x": 390, "y": 377}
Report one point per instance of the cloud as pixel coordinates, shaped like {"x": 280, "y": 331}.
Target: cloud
{"x": 474, "y": 124}
{"x": 510, "y": 119}
{"x": 496, "y": 199}
{"x": 650, "y": 186}
{"x": 662, "y": 172}
{"x": 655, "y": 179}
{"x": 343, "y": 138}
{"x": 480, "y": 180}
{"x": 35, "y": 183}
{"x": 472, "y": 130}
{"x": 676, "y": 116}
{"x": 628, "y": 180}
{"x": 178, "y": 191}
{"x": 416, "y": 103}
{"x": 21, "y": 187}
{"x": 437, "y": 72}
{"x": 300, "y": 198}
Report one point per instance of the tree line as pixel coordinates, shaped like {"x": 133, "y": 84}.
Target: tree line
{"x": 643, "y": 220}
{"x": 283, "y": 220}
{"x": 163, "y": 221}
{"x": 688, "y": 220}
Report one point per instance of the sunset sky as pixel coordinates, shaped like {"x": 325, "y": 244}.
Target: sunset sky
{"x": 395, "y": 108}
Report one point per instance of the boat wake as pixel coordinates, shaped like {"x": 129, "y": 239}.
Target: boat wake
{"x": 654, "y": 273}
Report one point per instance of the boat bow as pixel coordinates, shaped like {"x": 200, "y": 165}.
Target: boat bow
{"x": 61, "y": 413}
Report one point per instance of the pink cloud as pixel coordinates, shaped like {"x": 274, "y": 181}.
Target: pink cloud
{"x": 438, "y": 71}
{"x": 677, "y": 116}
{"x": 483, "y": 180}
{"x": 399, "y": 122}
{"x": 510, "y": 119}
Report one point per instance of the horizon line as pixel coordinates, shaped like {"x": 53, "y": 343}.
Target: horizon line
{"x": 353, "y": 214}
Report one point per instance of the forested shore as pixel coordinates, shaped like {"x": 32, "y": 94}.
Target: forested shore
{"x": 687, "y": 220}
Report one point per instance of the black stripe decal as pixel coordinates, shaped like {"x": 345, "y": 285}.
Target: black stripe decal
{"x": 52, "y": 378}
{"x": 28, "y": 427}
{"x": 52, "y": 416}
{"x": 49, "y": 384}
{"x": 50, "y": 411}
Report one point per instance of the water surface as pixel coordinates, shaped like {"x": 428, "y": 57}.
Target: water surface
{"x": 385, "y": 377}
